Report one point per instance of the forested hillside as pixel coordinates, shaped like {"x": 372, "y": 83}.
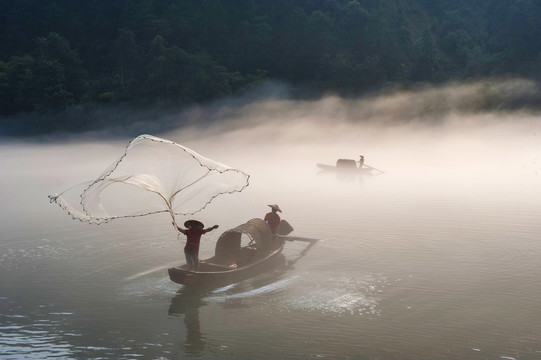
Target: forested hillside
{"x": 57, "y": 53}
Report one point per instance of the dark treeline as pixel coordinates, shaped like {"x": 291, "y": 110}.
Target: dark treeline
{"x": 58, "y": 53}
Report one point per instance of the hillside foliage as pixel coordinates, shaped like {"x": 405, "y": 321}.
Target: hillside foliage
{"x": 58, "y": 53}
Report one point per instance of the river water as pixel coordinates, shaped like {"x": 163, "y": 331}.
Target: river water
{"x": 438, "y": 258}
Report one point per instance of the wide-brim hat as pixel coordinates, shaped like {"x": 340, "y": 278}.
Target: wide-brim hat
{"x": 275, "y": 207}
{"x": 189, "y": 223}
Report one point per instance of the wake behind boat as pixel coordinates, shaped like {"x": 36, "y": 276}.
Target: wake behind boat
{"x": 233, "y": 262}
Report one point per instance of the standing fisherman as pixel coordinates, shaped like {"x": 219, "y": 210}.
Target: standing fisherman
{"x": 273, "y": 219}
{"x": 193, "y": 236}
{"x": 361, "y": 162}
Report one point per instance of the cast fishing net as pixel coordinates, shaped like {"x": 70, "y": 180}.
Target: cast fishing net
{"x": 153, "y": 175}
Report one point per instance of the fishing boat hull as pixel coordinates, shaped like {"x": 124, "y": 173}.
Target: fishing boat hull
{"x": 233, "y": 263}
{"x": 352, "y": 170}
{"x": 210, "y": 275}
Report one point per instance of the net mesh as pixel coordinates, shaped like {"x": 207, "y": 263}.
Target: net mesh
{"x": 153, "y": 175}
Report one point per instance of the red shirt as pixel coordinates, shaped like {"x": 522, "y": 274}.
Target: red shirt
{"x": 273, "y": 219}
{"x": 193, "y": 237}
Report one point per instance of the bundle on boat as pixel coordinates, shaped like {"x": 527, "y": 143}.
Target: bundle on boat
{"x": 232, "y": 261}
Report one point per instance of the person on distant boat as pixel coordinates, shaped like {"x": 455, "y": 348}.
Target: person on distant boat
{"x": 194, "y": 230}
{"x": 361, "y": 162}
{"x": 273, "y": 219}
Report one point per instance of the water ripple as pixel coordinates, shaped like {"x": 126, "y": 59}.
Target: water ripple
{"x": 340, "y": 295}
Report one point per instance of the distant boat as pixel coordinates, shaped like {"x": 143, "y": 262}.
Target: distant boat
{"x": 232, "y": 262}
{"x": 350, "y": 166}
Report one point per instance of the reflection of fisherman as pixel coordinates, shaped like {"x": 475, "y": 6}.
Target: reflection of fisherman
{"x": 193, "y": 237}
{"x": 361, "y": 162}
{"x": 188, "y": 303}
{"x": 195, "y": 342}
{"x": 273, "y": 219}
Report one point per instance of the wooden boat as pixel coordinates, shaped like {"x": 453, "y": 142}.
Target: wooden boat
{"x": 349, "y": 166}
{"x": 232, "y": 262}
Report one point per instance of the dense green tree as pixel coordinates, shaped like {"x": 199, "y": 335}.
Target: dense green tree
{"x": 56, "y": 53}
{"x": 425, "y": 66}
{"x": 128, "y": 55}
{"x": 17, "y": 76}
{"x": 253, "y": 45}
{"x": 179, "y": 76}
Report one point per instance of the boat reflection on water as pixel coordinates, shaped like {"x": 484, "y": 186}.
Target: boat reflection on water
{"x": 345, "y": 175}
{"x": 187, "y": 302}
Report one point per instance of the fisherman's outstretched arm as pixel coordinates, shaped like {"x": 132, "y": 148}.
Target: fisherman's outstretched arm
{"x": 179, "y": 228}
{"x": 212, "y": 228}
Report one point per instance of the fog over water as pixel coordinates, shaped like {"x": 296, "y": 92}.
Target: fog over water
{"x": 435, "y": 258}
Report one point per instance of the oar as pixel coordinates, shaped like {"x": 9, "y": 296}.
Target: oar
{"x": 296, "y": 238}
{"x": 312, "y": 242}
{"x": 370, "y": 167}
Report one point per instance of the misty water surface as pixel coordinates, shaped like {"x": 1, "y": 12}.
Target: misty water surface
{"x": 435, "y": 259}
